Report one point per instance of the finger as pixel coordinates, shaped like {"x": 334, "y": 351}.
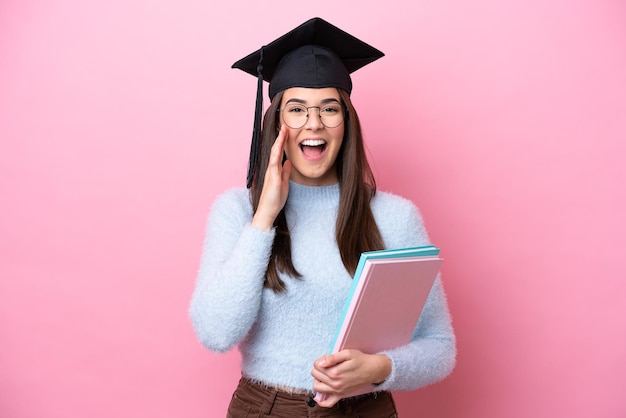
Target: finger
{"x": 325, "y": 380}
{"x": 282, "y": 132}
{"x": 279, "y": 144}
{"x": 276, "y": 152}
{"x": 325, "y": 385}
{"x": 275, "y": 156}
{"x": 330, "y": 400}
{"x": 330, "y": 360}
{"x": 286, "y": 171}
{"x": 320, "y": 378}
{"x": 322, "y": 362}
{"x": 325, "y": 396}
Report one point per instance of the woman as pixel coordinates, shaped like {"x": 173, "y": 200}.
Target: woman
{"x": 278, "y": 258}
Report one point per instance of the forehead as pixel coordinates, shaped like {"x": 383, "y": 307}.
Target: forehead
{"x": 310, "y": 95}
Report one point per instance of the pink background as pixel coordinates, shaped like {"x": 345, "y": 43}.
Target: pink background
{"x": 120, "y": 121}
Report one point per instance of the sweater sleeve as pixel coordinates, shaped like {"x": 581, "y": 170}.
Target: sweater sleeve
{"x": 229, "y": 285}
{"x": 431, "y": 354}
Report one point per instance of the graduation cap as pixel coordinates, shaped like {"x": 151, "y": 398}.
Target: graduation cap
{"x": 316, "y": 54}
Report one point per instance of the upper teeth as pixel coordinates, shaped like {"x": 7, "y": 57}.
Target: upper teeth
{"x": 313, "y": 142}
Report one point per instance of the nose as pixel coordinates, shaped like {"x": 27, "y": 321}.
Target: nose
{"x": 314, "y": 119}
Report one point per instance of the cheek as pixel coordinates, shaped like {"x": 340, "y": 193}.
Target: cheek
{"x": 339, "y": 136}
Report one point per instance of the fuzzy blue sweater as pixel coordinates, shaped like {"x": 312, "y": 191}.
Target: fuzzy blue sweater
{"x": 280, "y": 335}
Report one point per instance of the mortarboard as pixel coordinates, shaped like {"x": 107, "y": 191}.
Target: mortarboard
{"x": 316, "y": 54}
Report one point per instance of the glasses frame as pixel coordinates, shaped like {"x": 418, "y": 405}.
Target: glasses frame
{"x": 319, "y": 113}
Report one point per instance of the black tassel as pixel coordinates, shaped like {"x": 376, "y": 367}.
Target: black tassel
{"x": 256, "y": 130}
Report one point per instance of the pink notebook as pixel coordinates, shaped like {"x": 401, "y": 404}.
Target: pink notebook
{"x": 385, "y": 303}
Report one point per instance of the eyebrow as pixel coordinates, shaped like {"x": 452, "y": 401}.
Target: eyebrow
{"x": 324, "y": 101}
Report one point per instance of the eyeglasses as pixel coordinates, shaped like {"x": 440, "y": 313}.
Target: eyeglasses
{"x": 295, "y": 115}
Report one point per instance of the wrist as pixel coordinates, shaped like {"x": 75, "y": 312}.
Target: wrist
{"x": 262, "y": 221}
{"x": 383, "y": 370}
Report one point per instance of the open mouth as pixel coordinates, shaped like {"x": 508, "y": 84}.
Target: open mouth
{"x": 313, "y": 148}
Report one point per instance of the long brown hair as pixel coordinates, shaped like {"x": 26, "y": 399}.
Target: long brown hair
{"x": 356, "y": 229}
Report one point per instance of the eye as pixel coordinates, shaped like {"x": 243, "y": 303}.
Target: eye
{"x": 331, "y": 109}
{"x": 296, "y": 109}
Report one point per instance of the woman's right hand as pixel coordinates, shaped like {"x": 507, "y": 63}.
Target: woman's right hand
{"x": 275, "y": 186}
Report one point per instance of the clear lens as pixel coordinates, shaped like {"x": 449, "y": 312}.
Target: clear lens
{"x": 295, "y": 115}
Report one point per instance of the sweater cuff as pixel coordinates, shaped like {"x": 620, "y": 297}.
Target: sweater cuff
{"x": 388, "y": 382}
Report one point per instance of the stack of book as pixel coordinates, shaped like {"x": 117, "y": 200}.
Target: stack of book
{"x": 387, "y": 296}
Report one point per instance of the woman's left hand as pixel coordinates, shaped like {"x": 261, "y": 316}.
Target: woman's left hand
{"x": 337, "y": 375}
